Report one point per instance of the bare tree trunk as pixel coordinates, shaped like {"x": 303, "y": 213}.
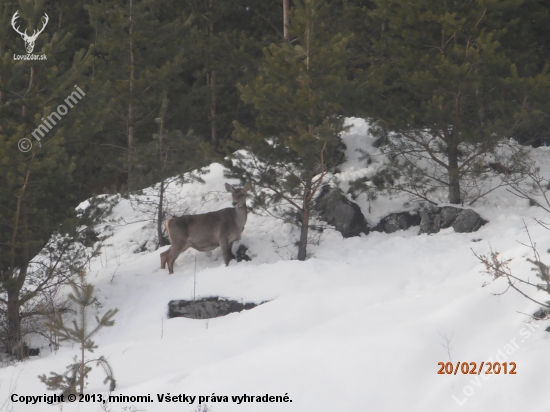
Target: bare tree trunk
{"x": 211, "y": 80}
{"x": 82, "y": 350}
{"x": 308, "y": 43}
{"x": 308, "y": 193}
{"x": 13, "y": 289}
{"x": 454, "y": 174}
{"x": 304, "y": 229}
{"x": 13, "y": 281}
{"x": 130, "y": 104}
{"x": 1, "y": 96}
{"x": 14, "y": 344}
{"x": 160, "y": 216}
{"x": 286, "y": 20}
{"x": 213, "y": 109}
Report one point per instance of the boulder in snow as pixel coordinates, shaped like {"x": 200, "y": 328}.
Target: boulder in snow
{"x": 432, "y": 220}
{"x": 206, "y": 308}
{"x": 397, "y": 221}
{"x": 337, "y": 210}
{"x": 462, "y": 220}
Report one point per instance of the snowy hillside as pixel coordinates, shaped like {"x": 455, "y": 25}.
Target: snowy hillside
{"x": 359, "y": 326}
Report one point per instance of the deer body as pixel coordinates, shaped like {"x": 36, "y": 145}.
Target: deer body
{"x": 207, "y": 231}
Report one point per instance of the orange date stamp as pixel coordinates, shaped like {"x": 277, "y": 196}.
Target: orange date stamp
{"x": 471, "y": 368}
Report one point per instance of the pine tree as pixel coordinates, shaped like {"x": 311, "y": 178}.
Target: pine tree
{"x": 74, "y": 380}
{"x": 37, "y": 190}
{"x": 528, "y": 37}
{"x": 139, "y": 53}
{"x": 226, "y": 50}
{"x": 443, "y": 87}
{"x": 86, "y": 44}
{"x": 298, "y": 98}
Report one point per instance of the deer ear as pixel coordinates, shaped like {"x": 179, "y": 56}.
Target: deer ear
{"x": 229, "y": 188}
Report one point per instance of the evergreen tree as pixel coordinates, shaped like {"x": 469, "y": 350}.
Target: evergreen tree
{"x": 298, "y": 96}
{"x": 37, "y": 189}
{"x": 227, "y": 49}
{"x": 444, "y": 87}
{"x": 138, "y": 56}
{"x": 74, "y": 380}
{"x": 87, "y": 44}
{"x": 528, "y": 38}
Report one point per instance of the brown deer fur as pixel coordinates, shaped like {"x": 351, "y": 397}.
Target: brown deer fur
{"x": 207, "y": 231}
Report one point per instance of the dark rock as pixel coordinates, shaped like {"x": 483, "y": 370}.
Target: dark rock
{"x": 437, "y": 218}
{"x": 448, "y": 215}
{"x": 241, "y": 255}
{"x": 338, "y": 157}
{"x": 397, "y": 221}
{"x": 206, "y": 308}
{"x": 25, "y": 352}
{"x": 540, "y": 314}
{"x": 90, "y": 237}
{"x": 462, "y": 220}
{"x": 337, "y": 210}
{"x": 428, "y": 222}
{"x": 468, "y": 221}
{"x": 33, "y": 352}
{"x": 432, "y": 220}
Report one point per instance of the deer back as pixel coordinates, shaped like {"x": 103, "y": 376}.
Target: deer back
{"x": 204, "y": 231}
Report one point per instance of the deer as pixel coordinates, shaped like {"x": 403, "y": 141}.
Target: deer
{"x": 207, "y": 231}
{"x": 29, "y": 40}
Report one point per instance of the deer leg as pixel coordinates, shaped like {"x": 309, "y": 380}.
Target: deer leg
{"x": 226, "y": 250}
{"x": 164, "y": 258}
{"x": 231, "y": 255}
{"x": 172, "y": 256}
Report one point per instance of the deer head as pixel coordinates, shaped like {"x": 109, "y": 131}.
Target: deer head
{"x": 239, "y": 195}
{"x": 29, "y": 40}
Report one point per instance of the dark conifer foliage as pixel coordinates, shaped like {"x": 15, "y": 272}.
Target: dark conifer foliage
{"x": 447, "y": 80}
{"x": 528, "y": 36}
{"x": 167, "y": 83}
{"x": 128, "y": 57}
{"x": 298, "y": 95}
{"x": 38, "y": 188}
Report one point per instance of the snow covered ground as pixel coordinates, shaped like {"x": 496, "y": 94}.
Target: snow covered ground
{"x": 360, "y": 326}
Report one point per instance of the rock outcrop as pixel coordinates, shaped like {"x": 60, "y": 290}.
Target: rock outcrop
{"x": 337, "y": 210}
{"x": 432, "y": 220}
{"x": 397, "y": 221}
{"x": 206, "y": 308}
{"x": 461, "y": 220}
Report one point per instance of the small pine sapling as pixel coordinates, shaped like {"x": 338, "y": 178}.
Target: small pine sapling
{"x": 74, "y": 379}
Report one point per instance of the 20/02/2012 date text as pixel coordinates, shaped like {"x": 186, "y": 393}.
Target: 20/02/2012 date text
{"x": 470, "y": 368}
